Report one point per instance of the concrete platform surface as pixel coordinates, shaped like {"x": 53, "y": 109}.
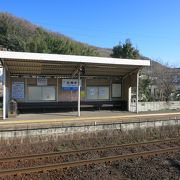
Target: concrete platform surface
{"x": 87, "y": 118}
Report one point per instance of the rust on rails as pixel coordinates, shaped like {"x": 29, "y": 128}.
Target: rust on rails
{"x": 86, "y": 162}
{"x": 63, "y": 153}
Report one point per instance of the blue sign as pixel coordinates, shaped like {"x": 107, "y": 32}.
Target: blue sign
{"x": 70, "y": 88}
{"x": 70, "y": 84}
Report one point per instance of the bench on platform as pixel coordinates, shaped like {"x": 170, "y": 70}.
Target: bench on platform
{"x": 72, "y": 106}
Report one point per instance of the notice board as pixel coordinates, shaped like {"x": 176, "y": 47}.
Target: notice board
{"x": 97, "y": 93}
{"x": 41, "y": 93}
{"x": 92, "y": 93}
{"x": 34, "y": 93}
{"x": 42, "y": 81}
{"x": 103, "y": 93}
{"x": 18, "y": 90}
{"x": 48, "y": 93}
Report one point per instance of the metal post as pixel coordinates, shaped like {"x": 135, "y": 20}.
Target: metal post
{"x": 57, "y": 90}
{"x": 79, "y": 95}
{"x": 129, "y": 99}
{"x": 26, "y": 94}
{"x": 85, "y": 88}
{"x": 137, "y": 92}
{"x": 4, "y": 93}
{"x": 110, "y": 89}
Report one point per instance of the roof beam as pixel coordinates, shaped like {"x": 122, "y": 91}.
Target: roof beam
{"x": 130, "y": 73}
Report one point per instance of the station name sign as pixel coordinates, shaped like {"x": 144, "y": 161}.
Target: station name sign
{"x": 70, "y": 84}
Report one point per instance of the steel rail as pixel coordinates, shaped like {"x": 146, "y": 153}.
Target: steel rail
{"x": 63, "y": 153}
{"x": 86, "y": 162}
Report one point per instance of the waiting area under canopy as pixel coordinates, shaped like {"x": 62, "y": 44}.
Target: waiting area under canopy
{"x": 53, "y": 80}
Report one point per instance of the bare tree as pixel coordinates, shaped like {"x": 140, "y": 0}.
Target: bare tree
{"x": 163, "y": 78}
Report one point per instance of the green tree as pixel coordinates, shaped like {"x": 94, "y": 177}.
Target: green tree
{"x": 144, "y": 88}
{"x": 126, "y": 51}
{"x": 117, "y": 51}
{"x": 20, "y": 35}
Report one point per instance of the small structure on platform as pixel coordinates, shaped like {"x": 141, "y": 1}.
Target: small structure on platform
{"x": 51, "y": 81}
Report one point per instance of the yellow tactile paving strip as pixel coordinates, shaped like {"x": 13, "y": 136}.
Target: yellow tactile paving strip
{"x": 89, "y": 119}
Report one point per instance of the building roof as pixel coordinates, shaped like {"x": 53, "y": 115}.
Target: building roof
{"x": 56, "y": 64}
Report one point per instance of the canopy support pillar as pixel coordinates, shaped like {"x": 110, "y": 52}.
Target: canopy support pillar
{"x": 4, "y": 94}
{"x": 79, "y": 95}
{"x": 137, "y": 93}
{"x": 129, "y": 98}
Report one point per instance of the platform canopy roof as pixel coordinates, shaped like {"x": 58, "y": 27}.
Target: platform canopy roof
{"x": 23, "y": 63}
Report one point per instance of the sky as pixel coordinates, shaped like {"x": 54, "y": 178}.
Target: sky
{"x": 153, "y": 26}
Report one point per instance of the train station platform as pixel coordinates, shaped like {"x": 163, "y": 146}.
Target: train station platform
{"x": 40, "y": 120}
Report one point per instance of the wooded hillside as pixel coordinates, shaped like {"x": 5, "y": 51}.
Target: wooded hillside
{"x": 20, "y": 35}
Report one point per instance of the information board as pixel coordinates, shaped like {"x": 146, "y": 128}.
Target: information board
{"x": 97, "y": 93}
{"x": 34, "y": 93}
{"x": 41, "y": 93}
{"x": 92, "y": 93}
{"x": 48, "y": 93}
{"x": 18, "y": 90}
{"x": 42, "y": 81}
{"x": 103, "y": 93}
{"x": 116, "y": 90}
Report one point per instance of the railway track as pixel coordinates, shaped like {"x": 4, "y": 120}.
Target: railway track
{"x": 63, "y": 153}
{"x": 64, "y": 165}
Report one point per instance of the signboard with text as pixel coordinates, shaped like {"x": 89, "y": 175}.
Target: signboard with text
{"x": 18, "y": 90}
{"x": 70, "y": 84}
{"x": 42, "y": 81}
